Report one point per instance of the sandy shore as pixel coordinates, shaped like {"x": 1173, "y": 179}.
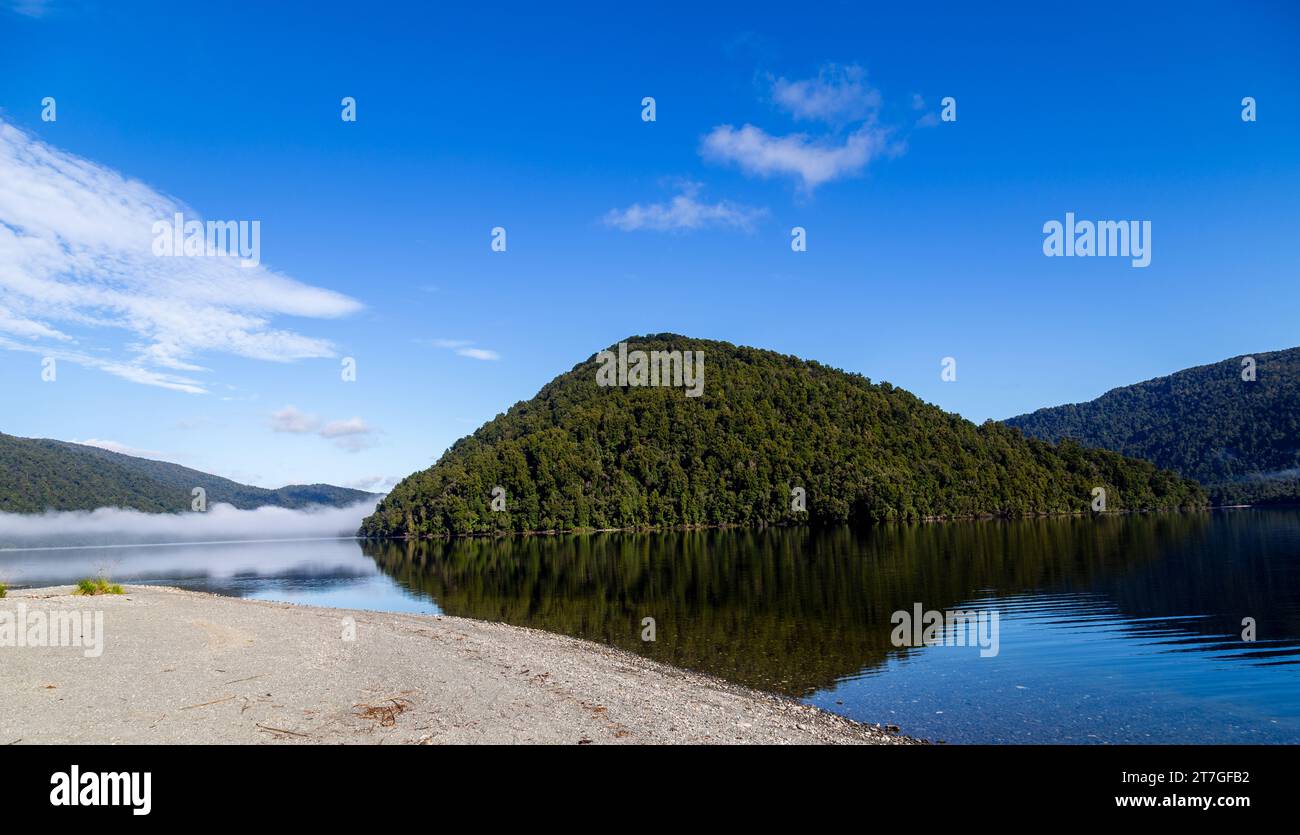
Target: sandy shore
{"x": 184, "y": 667}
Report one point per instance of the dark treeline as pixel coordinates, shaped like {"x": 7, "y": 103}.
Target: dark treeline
{"x": 582, "y": 456}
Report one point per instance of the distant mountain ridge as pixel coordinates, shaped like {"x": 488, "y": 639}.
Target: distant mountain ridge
{"x": 767, "y": 432}
{"x": 1239, "y": 438}
{"x": 38, "y": 474}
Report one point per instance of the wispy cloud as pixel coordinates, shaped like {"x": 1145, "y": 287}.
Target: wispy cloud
{"x": 28, "y": 8}
{"x": 684, "y": 212}
{"x": 373, "y": 483}
{"x": 465, "y": 348}
{"x": 812, "y": 161}
{"x": 838, "y": 95}
{"x": 126, "y": 370}
{"x": 28, "y": 329}
{"x": 76, "y": 261}
{"x": 351, "y": 434}
{"x": 478, "y": 354}
{"x": 925, "y": 120}
{"x": 290, "y": 419}
{"x": 343, "y": 428}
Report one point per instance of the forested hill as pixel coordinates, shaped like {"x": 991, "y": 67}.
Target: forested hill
{"x": 580, "y": 455}
{"x": 1240, "y": 438}
{"x": 38, "y": 474}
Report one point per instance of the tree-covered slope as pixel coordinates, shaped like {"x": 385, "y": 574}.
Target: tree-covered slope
{"x": 579, "y": 455}
{"x": 1240, "y": 438}
{"x": 38, "y": 474}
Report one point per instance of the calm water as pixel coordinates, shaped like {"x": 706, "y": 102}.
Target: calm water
{"x": 1111, "y": 630}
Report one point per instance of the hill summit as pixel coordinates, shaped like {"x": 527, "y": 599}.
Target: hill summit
{"x": 770, "y": 439}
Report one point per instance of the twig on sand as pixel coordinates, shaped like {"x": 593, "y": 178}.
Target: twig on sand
{"x": 205, "y": 704}
{"x": 279, "y": 730}
{"x": 385, "y": 714}
{"x": 250, "y": 678}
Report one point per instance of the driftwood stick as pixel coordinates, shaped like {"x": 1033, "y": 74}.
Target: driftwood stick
{"x": 213, "y": 702}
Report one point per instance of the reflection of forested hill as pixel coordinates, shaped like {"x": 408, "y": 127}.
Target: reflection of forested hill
{"x": 1244, "y": 564}
{"x": 794, "y": 609}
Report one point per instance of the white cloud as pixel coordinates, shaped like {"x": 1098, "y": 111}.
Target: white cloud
{"x": 355, "y": 443}
{"x": 478, "y": 353}
{"x": 29, "y": 329}
{"x": 352, "y": 434}
{"x": 290, "y": 419}
{"x": 463, "y": 348}
{"x": 375, "y": 483}
{"x": 76, "y": 248}
{"x": 29, "y": 8}
{"x": 126, "y": 371}
{"x": 683, "y": 212}
{"x": 812, "y": 161}
{"x": 837, "y": 95}
{"x": 925, "y": 120}
{"x": 341, "y": 428}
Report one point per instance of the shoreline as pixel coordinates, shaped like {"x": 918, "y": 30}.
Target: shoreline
{"x": 184, "y": 667}
{"x": 731, "y": 526}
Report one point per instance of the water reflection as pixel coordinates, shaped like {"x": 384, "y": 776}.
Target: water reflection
{"x": 1119, "y": 629}
{"x": 321, "y": 572}
{"x": 796, "y": 609}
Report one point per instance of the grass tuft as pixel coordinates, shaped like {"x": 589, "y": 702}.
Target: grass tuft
{"x": 97, "y": 586}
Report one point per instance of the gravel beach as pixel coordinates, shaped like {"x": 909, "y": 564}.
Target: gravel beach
{"x": 185, "y": 667}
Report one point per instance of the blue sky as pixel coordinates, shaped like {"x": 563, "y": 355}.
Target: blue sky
{"x": 924, "y": 237}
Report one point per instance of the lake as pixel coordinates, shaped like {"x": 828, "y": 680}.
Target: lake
{"x": 1110, "y": 630}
